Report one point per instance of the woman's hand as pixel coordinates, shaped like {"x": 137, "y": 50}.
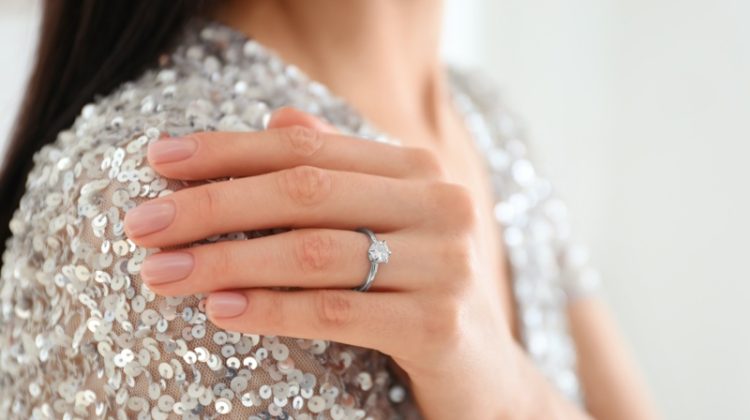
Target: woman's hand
{"x": 432, "y": 308}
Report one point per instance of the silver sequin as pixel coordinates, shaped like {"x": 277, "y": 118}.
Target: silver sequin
{"x": 82, "y": 337}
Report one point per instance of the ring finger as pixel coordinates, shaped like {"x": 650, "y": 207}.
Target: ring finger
{"x": 305, "y": 258}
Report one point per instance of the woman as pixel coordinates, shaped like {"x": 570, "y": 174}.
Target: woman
{"x": 191, "y": 239}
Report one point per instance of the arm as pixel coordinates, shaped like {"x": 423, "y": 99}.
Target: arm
{"x": 537, "y": 398}
{"x": 440, "y": 327}
{"x": 610, "y": 377}
{"x": 612, "y": 384}
{"x": 614, "y": 387}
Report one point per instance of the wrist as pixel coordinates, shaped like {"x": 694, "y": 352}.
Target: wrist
{"x": 519, "y": 401}
{"x": 530, "y": 395}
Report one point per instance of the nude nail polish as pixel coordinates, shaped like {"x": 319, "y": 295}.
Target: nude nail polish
{"x": 171, "y": 150}
{"x": 225, "y": 304}
{"x": 166, "y": 267}
{"x": 149, "y": 217}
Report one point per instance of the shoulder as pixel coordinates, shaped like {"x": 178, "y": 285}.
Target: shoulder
{"x": 484, "y": 99}
{"x": 81, "y": 184}
{"x": 530, "y": 203}
{"x": 198, "y": 86}
{"x": 487, "y": 93}
{"x": 485, "y": 90}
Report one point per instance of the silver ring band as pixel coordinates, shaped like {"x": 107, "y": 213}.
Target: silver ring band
{"x": 377, "y": 253}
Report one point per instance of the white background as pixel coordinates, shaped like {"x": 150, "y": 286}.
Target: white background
{"x": 639, "y": 111}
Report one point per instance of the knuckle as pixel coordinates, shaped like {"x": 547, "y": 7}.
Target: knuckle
{"x": 425, "y": 161}
{"x": 459, "y": 256}
{"x": 332, "y": 308}
{"x": 315, "y": 251}
{"x": 443, "y": 320}
{"x": 464, "y": 207}
{"x": 305, "y": 184}
{"x": 221, "y": 262}
{"x": 270, "y": 315}
{"x": 456, "y": 203}
{"x": 301, "y": 140}
{"x": 210, "y": 199}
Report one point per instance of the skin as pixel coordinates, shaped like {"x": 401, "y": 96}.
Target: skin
{"x": 442, "y": 307}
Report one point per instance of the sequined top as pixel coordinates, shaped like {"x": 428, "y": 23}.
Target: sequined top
{"x": 82, "y": 336}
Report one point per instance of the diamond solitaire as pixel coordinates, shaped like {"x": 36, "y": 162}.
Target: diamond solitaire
{"x": 378, "y": 252}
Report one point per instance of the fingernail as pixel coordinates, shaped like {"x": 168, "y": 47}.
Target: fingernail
{"x": 149, "y": 217}
{"x": 225, "y": 304}
{"x": 166, "y": 267}
{"x": 171, "y": 149}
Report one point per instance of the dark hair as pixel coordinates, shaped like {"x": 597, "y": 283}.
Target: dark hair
{"x": 86, "y": 48}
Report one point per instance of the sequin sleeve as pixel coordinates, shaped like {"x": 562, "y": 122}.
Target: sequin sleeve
{"x": 82, "y": 336}
{"x": 535, "y": 220}
{"x": 549, "y": 270}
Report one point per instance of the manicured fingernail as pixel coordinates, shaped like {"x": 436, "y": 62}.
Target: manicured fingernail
{"x": 171, "y": 149}
{"x": 149, "y": 217}
{"x": 225, "y": 304}
{"x": 166, "y": 267}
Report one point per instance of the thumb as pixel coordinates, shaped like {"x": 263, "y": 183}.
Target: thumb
{"x": 287, "y": 116}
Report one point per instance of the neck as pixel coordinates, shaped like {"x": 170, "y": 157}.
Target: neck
{"x": 382, "y": 56}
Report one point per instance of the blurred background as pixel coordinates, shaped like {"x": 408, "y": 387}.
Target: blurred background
{"x": 639, "y": 111}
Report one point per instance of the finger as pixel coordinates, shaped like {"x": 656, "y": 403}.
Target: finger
{"x": 288, "y": 116}
{"x": 304, "y": 196}
{"x": 208, "y": 155}
{"x": 387, "y": 322}
{"x": 305, "y": 258}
